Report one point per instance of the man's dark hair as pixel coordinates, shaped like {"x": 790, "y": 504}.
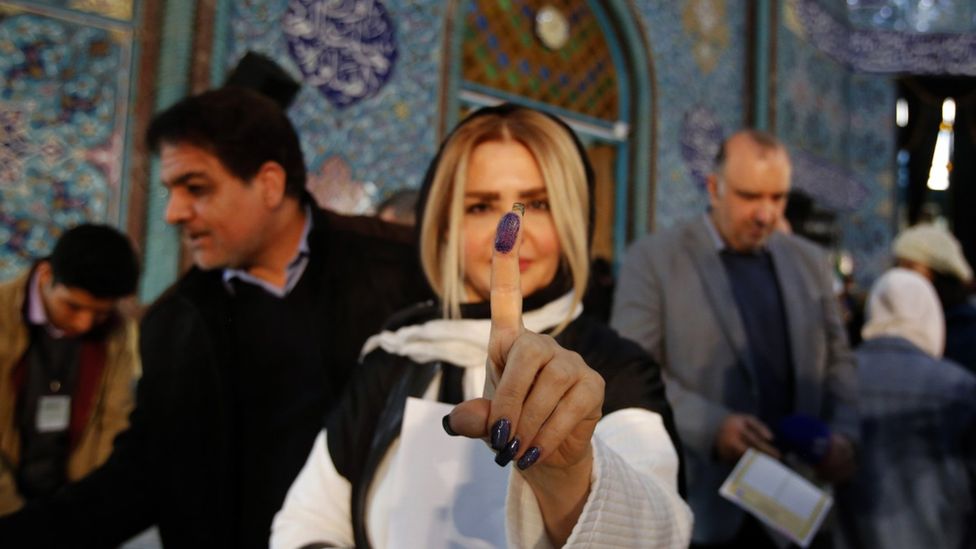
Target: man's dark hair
{"x": 242, "y": 128}
{"x": 95, "y": 258}
{"x": 762, "y": 138}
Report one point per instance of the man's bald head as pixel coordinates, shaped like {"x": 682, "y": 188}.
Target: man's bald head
{"x": 748, "y": 188}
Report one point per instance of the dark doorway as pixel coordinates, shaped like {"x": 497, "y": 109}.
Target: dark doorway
{"x": 925, "y": 97}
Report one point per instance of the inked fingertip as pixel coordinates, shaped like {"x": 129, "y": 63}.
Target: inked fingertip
{"x": 507, "y": 232}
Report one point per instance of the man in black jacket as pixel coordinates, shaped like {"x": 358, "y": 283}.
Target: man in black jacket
{"x": 245, "y": 355}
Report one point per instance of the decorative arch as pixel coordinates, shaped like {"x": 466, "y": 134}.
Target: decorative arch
{"x": 600, "y": 82}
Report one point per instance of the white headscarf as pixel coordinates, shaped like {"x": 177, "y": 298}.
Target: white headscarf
{"x": 935, "y": 248}
{"x": 903, "y": 303}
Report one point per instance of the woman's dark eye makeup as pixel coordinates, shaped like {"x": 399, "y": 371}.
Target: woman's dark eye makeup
{"x": 477, "y": 208}
{"x": 480, "y": 205}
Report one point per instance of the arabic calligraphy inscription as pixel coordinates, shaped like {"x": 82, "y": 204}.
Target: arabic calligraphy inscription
{"x": 345, "y": 48}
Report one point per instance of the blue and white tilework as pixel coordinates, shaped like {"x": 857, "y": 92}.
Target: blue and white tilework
{"x": 698, "y": 104}
{"x": 886, "y": 50}
{"x": 701, "y": 138}
{"x": 347, "y": 50}
{"x": 839, "y": 126}
{"x": 360, "y": 153}
{"x": 939, "y": 16}
{"x": 363, "y": 150}
{"x": 63, "y": 99}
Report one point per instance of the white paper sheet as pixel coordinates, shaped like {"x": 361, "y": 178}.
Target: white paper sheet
{"x": 448, "y": 492}
{"x": 776, "y": 495}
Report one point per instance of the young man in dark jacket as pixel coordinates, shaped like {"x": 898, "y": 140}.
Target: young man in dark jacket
{"x": 245, "y": 355}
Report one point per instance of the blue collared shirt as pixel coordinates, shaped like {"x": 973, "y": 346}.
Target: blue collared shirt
{"x": 758, "y": 297}
{"x": 293, "y": 272}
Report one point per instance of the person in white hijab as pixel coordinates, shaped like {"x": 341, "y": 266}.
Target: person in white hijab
{"x": 915, "y": 484}
{"x": 938, "y": 255}
{"x": 903, "y": 303}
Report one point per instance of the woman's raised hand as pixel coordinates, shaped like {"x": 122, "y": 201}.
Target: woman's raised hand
{"x": 541, "y": 402}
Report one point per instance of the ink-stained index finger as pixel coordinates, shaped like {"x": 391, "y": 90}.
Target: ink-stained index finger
{"x": 506, "y": 288}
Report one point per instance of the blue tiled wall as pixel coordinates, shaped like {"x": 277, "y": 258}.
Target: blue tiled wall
{"x": 64, "y": 103}
{"x": 839, "y": 125}
{"x": 384, "y": 142}
{"x": 358, "y": 153}
{"x": 700, "y": 94}
{"x": 834, "y": 119}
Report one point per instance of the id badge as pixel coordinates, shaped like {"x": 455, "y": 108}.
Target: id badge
{"x": 53, "y": 413}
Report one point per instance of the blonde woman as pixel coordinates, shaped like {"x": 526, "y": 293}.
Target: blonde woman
{"x": 578, "y": 411}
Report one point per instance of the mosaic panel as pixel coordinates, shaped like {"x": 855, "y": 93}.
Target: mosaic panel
{"x": 346, "y": 50}
{"x": 699, "y": 67}
{"x": 704, "y": 20}
{"x": 63, "y": 99}
{"x": 500, "y": 51}
{"x": 701, "y": 137}
{"x": 881, "y": 50}
{"x": 839, "y": 127}
{"x": 943, "y": 16}
{"x": 364, "y": 151}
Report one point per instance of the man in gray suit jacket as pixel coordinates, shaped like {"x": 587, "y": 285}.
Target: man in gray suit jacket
{"x": 744, "y": 321}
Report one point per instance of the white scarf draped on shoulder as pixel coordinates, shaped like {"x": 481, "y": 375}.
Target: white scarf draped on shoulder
{"x": 462, "y": 342}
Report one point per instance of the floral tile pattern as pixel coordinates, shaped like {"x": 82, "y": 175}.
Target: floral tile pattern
{"x": 360, "y": 151}
{"x": 346, "y": 50}
{"x": 63, "y": 98}
{"x": 387, "y": 140}
{"x": 831, "y": 118}
{"x": 839, "y": 125}
{"x": 881, "y": 49}
{"x": 699, "y": 68}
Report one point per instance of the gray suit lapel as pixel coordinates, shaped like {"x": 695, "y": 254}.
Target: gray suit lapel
{"x": 794, "y": 289}
{"x": 702, "y": 249}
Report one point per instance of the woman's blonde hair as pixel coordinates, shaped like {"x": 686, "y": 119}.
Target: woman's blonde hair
{"x": 563, "y": 170}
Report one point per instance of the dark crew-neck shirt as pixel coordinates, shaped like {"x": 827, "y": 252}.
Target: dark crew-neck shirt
{"x": 759, "y": 299}
{"x": 282, "y": 386}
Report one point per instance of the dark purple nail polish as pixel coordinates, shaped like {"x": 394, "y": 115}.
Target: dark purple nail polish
{"x": 528, "y": 458}
{"x": 499, "y": 434}
{"x": 507, "y": 232}
{"x": 508, "y": 453}
{"x": 446, "y": 423}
